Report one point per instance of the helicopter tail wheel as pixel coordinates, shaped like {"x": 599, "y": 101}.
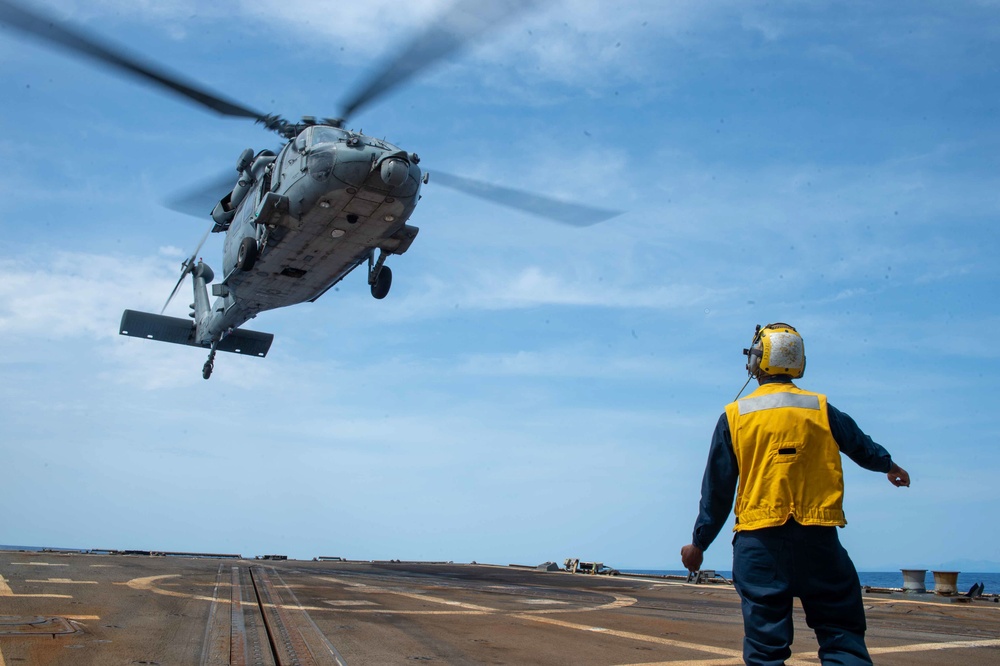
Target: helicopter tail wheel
{"x": 380, "y": 287}
{"x": 247, "y": 255}
{"x": 206, "y": 370}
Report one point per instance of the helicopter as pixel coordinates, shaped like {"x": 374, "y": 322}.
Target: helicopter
{"x": 328, "y": 201}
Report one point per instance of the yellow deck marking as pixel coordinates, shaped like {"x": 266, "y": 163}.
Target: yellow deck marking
{"x": 5, "y": 591}
{"x": 620, "y": 601}
{"x": 81, "y": 618}
{"x": 697, "y": 647}
{"x": 926, "y": 647}
{"x": 149, "y": 584}
{"x": 445, "y": 602}
{"x": 692, "y": 662}
{"x": 471, "y": 609}
{"x": 729, "y": 656}
{"x": 804, "y": 659}
{"x": 64, "y": 581}
{"x": 388, "y": 611}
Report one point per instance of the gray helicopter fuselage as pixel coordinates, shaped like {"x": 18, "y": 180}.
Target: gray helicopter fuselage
{"x": 316, "y": 211}
{"x": 298, "y": 222}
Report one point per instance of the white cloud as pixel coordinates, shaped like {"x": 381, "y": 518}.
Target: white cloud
{"x": 70, "y": 294}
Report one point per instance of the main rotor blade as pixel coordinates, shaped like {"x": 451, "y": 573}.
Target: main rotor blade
{"x": 74, "y": 39}
{"x": 463, "y": 22}
{"x": 186, "y": 268}
{"x": 565, "y": 212}
{"x": 200, "y": 200}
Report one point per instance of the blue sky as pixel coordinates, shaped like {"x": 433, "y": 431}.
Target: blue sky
{"x": 528, "y": 391}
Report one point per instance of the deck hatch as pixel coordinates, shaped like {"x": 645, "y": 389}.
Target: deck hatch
{"x": 12, "y": 625}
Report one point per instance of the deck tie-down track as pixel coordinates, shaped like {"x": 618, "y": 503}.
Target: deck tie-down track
{"x": 265, "y": 625}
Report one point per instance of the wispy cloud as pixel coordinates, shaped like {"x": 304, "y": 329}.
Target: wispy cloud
{"x": 502, "y": 289}
{"x": 70, "y": 294}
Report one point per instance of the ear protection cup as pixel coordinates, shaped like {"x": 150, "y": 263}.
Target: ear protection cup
{"x": 754, "y": 353}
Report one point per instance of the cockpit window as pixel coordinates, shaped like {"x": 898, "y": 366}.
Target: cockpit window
{"x": 323, "y": 134}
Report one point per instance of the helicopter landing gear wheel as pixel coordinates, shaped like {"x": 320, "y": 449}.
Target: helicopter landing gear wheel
{"x": 380, "y": 287}
{"x": 379, "y": 275}
{"x": 246, "y": 257}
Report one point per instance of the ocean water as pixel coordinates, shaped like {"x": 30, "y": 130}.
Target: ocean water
{"x": 990, "y": 581}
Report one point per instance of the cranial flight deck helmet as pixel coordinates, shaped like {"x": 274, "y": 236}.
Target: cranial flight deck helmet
{"x": 776, "y": 349}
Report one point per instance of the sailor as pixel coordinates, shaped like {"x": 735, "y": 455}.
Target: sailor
{"x": 778, "y": 451}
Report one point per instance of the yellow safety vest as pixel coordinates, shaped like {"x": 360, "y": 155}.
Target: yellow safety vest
{"x": 789, "y": 462}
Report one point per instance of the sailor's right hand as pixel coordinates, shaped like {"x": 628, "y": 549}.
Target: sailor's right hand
{"x": 692, "y": 557}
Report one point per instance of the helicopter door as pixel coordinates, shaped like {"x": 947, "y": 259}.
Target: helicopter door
{"x": 265, "y": 183}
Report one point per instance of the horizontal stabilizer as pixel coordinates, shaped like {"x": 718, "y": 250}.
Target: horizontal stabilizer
{"x": 182, "y": 332}
{"x": 242, "y": 341}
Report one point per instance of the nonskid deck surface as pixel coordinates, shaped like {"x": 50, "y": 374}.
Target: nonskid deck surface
{"x": 79, "y": 609}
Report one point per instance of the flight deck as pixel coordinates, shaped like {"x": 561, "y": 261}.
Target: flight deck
{"x": 105, "y": 609}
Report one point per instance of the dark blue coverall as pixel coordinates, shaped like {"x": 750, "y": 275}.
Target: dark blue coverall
{"x": 773, "y": 565}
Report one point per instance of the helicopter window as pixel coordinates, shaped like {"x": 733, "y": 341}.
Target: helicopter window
{"x": 327, "y": 135}
{"x": 300, "y": 142}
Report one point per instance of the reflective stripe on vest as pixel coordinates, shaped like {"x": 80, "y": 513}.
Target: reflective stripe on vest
{"x": 775, "y": 400}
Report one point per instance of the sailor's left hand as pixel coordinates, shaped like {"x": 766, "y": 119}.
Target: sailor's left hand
{"x": 898, "y": 476}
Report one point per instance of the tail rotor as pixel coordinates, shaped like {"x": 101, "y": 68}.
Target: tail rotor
{"x": 187, "y": 266}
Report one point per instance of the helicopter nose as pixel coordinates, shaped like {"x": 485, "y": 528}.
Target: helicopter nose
{"x": 394, "y": 171}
